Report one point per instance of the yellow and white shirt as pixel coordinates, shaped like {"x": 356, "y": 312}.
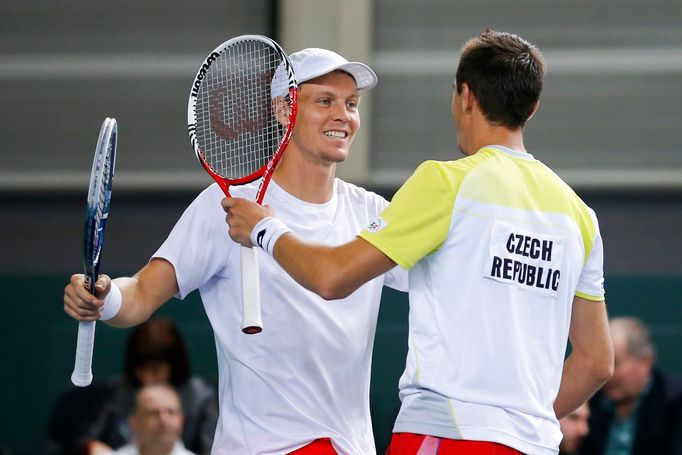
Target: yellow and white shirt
{"x": 498, "y": 245}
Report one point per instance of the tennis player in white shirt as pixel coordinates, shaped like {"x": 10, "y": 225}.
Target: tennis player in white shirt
{"x": 302, "y": 385}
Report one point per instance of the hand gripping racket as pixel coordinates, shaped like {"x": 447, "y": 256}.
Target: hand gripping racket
{"x": 241, "y": 113}
{"x": 96, "y": 213}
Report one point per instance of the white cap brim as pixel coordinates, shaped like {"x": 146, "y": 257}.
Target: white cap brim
{"x": 311, "y": 63}
{"x": 364, "y": 77}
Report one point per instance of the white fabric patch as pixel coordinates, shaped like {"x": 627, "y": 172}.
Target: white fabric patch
{"x": 526, "y": 259}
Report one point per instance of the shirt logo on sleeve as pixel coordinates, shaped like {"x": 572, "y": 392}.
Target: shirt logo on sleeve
{"x": 527, "y": 260}
{"x": 376, "y": 225}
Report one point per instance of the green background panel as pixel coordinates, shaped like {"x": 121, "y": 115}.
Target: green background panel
{"x": 38, "y": 340}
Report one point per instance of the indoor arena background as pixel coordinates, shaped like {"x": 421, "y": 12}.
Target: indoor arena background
{"x": 609, "y": 123}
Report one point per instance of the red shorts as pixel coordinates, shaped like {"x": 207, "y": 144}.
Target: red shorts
{"x": 419, "y": 444}
{"x": 317, "y": 447}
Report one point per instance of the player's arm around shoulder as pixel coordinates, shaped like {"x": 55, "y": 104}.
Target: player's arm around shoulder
{"x": 125, "y": 301}
{"x": 332, "y": 272}
{"x": 591, "y": 361}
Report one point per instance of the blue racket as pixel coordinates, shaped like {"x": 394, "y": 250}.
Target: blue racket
{"x": 96, "y": 214}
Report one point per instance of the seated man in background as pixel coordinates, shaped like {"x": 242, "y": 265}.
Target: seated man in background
{"x": 95, "y": 419}
{"x": 574, "y": 427}
{"x": 156, "y": 423}
{"x": 639, "y": 410}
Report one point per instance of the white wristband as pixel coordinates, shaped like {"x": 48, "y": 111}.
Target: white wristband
{"x": 112, "y": 302}
{"x": 266, "y": 233}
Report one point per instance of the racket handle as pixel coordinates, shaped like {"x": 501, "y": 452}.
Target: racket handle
{"x": 82, "y": 371}
{"x": 251, "y": 318}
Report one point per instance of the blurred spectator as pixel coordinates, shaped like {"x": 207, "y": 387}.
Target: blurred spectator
{"x": 156, "y": 423}
{"x": 639, "y": 410}
{"x": 574, "y": 427}
{"x": 88, "y": 420}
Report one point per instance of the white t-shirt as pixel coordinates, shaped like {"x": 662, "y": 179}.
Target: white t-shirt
{"x": 498, "y": 247}
{"x": 307, "y": 374}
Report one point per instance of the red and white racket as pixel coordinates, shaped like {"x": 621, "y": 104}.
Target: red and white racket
{"x": 241, "y": 113}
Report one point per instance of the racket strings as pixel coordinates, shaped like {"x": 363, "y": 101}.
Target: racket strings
{"x": 236, "y": 126}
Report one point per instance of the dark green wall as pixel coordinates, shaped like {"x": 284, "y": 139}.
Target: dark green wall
{"x": 38, "y": 340}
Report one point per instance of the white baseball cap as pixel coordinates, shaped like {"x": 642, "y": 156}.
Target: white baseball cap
{"x": 314, "y": 62}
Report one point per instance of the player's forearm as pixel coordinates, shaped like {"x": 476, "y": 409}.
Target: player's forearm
{"x": 590, "y": 364}
{"x": 144, "y": 293}
{"x": 330, "y": 272}
{"x": 133, "y": 309}
{"x": 314, "y": 267}
{"x": 582, "y": 376}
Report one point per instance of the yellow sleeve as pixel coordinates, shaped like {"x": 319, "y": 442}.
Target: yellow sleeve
{"x": 417, "y": 221}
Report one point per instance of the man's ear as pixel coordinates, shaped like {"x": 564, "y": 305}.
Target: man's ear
{"x": 281, "y": 108}
{"x": 467, "y": 97}
{"x": 648, "y": 360}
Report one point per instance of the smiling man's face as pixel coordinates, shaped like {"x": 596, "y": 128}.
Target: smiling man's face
{"x": 328, "y": 117}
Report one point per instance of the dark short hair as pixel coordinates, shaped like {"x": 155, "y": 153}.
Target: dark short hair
{"x": 505, "y": 73}
{"x": 157, "y": 340}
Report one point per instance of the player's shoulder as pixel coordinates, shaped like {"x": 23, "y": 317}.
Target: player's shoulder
{"x": 566, "y": 200}
{"x": 442, "y": 175}
{"x": 566, "y": 189}
{"x": 436, "y": 167}
{"x": 357, "y": 193}
{"x": 209, "y": 196}
{"x": 213, "y": 192}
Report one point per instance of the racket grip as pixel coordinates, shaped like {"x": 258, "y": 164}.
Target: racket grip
{"x": 251, "y": 317}
{"x": 82, "y": 371}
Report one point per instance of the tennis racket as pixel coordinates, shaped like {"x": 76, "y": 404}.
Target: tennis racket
{"x": 241, "y": 113}
{"x": 96, "y": 214}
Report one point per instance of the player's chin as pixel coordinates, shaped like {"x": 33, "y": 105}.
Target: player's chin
{"x": 336, "y": 154}
{"x": 569, "y": 446}
{"x": 169, "y": 436}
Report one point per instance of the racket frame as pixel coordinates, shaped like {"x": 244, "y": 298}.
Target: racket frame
{"x": 252, "y": 322}
{"x": 96, "y": 215}
{"x": 265, "y": 171}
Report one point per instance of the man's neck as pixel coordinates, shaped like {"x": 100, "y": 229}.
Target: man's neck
{"x": 310, "y": 182}
{"x": 484, "y": 134}
{"x": 155, "y": 449}
{"x": 624, "y": 409}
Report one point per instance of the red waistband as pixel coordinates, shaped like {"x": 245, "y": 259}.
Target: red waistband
{"x": 317, "y": 447}
{"x": 419, "y": 444}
